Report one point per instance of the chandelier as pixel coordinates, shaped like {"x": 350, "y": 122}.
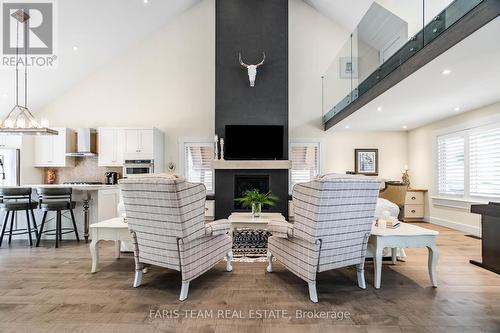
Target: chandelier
{"x": 20, "y": 120}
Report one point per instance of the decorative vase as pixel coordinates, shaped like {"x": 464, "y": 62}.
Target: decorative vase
{"x": 50, "y": 176}
{"x": 406, "y": 178}
{"x": 256, "y": 209}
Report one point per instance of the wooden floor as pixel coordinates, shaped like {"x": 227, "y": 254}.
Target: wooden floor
{"x": 49, "y": 290}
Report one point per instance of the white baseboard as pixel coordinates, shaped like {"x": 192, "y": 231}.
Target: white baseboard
{"x": 468, "y": 229}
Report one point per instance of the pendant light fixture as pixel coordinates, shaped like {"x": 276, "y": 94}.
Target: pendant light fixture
{"x": 20, "y": 120}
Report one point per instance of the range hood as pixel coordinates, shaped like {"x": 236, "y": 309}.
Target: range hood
{"x": 86, "y": 143}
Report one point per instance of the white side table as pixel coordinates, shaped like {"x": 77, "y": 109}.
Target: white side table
{"x": 406, "y": 235}
{"x": 114, "y": 230}
{"x": 246, "y": 220}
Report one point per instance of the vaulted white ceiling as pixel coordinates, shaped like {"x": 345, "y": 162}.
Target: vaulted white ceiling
{"x": 347, "y": 13}
{"x": 100, "y": 30}
{"x": 103, "y": 29}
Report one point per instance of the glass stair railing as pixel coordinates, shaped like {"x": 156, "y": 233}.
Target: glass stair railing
{"x": 390, "y": 33}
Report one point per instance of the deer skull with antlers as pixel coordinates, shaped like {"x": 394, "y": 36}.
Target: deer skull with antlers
{"x": 252, "y": 69}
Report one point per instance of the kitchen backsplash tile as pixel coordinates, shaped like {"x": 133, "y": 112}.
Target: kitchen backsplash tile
{"x": 85, "y": 170}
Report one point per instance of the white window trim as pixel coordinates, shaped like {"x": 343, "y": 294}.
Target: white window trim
{"x": 459, "y": 202}
{"x": 305, "y": 141}
{"x": 182, "y": 163}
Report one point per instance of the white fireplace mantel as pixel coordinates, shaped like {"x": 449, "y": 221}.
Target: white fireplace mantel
{"x": 251, "y": 164}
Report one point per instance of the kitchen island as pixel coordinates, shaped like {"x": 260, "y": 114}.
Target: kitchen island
{"x": 99, "y": 201}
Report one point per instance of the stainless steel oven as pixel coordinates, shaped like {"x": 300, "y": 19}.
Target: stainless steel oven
{"x": 137, "y": 167}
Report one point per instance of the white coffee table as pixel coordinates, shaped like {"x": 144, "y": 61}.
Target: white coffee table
{"x": 407, "y": 235}
{"x": 114, "y": 230}
{"x": 246, "y": 220}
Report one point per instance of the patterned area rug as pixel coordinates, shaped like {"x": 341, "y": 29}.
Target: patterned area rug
{"x": 250, "y": 243}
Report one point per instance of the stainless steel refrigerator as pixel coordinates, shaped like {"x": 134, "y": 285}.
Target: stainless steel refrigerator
{"x": 9, "y": 167}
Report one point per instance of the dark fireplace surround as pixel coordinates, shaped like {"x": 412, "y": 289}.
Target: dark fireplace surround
{"x": 226, "y": 189}
{"x": 243, "y": 183}
{"x": 251, "y": 27}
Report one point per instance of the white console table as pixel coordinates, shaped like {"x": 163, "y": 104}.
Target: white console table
{"x": 110, "y": 230}
{"x": 406, "y": 235}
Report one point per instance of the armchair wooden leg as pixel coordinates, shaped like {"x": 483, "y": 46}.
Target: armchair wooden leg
{"x": 361, "y": 276}
{"x": 229, "y": 257}
{"x": 270, "y": 260}
{"x": 313, "y": 295}
{"x": 184, "y": 291}
{"x": 138, "y": 278}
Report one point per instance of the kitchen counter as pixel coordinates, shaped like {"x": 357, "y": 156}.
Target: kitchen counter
{"x": 77, "y": 187}
{"x": 88, "y": 195}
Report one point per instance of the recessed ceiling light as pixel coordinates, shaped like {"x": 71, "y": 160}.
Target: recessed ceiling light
{"x": 347, "y": 126}
{"x": 446, "y": 71}
{"x": 75, "y": 48}
{"x": 4, "y": 95}
{"x": 456, "y": 108}
{"x": 405, "y": 127}
{"x": 146, "y": 1}
{"x": 379, "y": 108}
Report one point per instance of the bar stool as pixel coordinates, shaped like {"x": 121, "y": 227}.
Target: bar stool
{"x": 13, "y": 200}
{"x": 56, "y": 199}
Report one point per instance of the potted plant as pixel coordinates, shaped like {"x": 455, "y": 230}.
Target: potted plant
{"x": 255, "y": 199}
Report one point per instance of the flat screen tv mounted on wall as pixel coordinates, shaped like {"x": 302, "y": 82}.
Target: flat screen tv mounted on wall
{"x": 253, "y": 142}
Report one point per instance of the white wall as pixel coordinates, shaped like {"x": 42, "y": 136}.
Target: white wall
{"x": 168, "y": 82}
{"x": 314, "y": 43}
{"x": 422, "y": 170}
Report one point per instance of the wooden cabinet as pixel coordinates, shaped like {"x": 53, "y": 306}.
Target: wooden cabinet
{"x": 139, "y": 143}
{"x": 414, "y": 209}
{"x": 107, "y": 207}
{"x": 10, "y": 141}
{"x": 50, "y": 150}
{"x": 111, "y": 146}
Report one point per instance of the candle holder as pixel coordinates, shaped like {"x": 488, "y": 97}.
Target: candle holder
{"x": 216, "y": 149}
{"x": 406, "y": 178}
{"x": 222, "y": 149}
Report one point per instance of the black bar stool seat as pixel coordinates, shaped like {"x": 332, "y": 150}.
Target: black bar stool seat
{"x": 57, "y": 205}
{"x": 56, "y": 199}
{"x": 16, "y": 206}
{"x": 13, "y": 200}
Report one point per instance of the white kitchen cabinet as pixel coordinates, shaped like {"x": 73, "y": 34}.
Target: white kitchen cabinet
{"x": 139, "y": 144}
{"x": 107, "y": 203}
{"x": 111, "y": 146}
{"x": 209, "y": 210}
{"x": 10, "y": 141}
{"x": 50, "y": 150}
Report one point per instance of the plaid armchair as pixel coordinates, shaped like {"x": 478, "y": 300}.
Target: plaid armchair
{"x": 166, "y": 218}
{"x": 333, "y": 220}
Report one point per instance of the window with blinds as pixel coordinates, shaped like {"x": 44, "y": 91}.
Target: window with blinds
{"x": 484, "y": 159}
{"x": 451, "y": 164}
{"x": 305, "y": 162}
{"x": 469, "y": 163}
{"x": 197, "y": 164}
